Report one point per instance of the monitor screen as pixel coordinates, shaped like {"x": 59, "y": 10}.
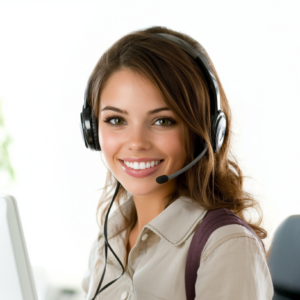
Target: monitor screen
{"x": 16, "y": 280}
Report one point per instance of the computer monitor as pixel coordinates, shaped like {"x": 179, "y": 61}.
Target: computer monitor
{"x": 16, "y": 280}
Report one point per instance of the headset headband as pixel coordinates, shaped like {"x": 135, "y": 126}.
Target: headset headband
{"x": 201, "y": 60}
{"x": 89, "y": 123}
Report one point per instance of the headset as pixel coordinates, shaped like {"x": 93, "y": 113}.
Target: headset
{"x": 89, "y": 128}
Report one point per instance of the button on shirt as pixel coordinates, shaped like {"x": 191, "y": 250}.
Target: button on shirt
{"x": 232, "y": 265}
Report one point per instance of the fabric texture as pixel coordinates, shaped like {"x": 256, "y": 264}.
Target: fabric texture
{"x": 213, "y": 220}
{"x": 232, "y": 264}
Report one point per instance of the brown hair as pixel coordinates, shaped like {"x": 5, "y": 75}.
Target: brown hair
{"x": 216, "y": 180}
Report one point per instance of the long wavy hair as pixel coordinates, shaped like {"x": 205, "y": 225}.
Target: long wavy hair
{"x": 216, "y": 180}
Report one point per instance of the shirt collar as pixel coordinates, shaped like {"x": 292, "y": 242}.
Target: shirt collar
{"x": 174, "y": 224}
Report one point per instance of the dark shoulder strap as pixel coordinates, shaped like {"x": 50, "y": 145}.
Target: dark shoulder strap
{"x": 213, "y": 220}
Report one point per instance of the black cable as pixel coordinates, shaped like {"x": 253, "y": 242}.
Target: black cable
{"x": 107, "y": 244}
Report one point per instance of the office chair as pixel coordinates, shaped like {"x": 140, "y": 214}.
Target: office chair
{"x": 284, "y": 260}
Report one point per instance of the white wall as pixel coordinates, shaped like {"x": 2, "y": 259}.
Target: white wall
{"x": 49, "y": 48}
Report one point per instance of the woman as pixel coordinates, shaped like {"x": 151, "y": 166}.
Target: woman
{"x": 152, "y": 113}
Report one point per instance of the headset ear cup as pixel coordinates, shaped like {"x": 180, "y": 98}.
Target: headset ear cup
{"x": 219, "y": 131}
{"x": 94, "y": 123}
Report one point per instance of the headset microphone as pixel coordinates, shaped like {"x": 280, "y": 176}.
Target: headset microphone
{"x": 165, "y": 178}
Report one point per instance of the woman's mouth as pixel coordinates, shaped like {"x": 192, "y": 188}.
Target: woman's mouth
{"x": 140, "y": 169}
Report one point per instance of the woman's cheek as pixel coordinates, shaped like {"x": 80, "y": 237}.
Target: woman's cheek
{"x": 172, "y": 144}
{"x": 110, "y": 145}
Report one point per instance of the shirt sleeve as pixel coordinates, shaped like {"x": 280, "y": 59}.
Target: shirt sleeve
{"x": 87, "y": 276}
{"x": 234, "y": 268}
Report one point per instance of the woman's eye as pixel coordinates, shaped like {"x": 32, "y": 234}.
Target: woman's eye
{"x": 165, "y": 122}
{"x": 115, "y": 121}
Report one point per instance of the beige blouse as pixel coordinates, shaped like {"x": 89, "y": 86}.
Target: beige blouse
{"x": 233, "y": 265}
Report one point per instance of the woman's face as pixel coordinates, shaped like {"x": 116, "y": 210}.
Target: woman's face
{"x": 137, "y": 130}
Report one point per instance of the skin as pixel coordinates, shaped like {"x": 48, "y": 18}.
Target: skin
{"x": 137, "y": 135}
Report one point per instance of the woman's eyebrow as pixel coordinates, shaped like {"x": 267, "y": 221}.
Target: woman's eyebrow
{"x": 126, "y": 113}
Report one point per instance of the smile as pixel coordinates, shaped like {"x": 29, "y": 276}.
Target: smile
{"x": 141, "y": 165}
{"x": 140, "y": 169}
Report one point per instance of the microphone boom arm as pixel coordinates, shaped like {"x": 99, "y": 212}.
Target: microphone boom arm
{"x": 165, "y": 178}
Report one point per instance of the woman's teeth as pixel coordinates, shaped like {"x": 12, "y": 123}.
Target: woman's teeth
{"x": 142, "y": 165}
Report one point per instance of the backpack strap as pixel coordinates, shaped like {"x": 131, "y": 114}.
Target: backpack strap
{"x": 213, "y": 220}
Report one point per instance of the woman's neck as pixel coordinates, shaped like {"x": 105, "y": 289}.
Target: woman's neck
{"x": 149, "y": 207}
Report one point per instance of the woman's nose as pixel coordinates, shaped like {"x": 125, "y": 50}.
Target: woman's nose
{"x": 138, "y": 139}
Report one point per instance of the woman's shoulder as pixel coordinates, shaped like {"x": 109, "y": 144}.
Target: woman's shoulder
{"x": 234, "y": 258}
{"x": 232, "y": 236}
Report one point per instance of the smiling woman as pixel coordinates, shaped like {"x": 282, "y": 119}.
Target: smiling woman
{"x": 153, "y": 103}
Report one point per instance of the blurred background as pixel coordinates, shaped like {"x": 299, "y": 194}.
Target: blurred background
{"x": 48, "y": 50}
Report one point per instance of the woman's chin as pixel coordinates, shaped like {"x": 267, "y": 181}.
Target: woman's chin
{"x": 141, "y": 189}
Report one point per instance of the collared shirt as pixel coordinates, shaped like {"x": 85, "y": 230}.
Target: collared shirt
{"x": 232, "y": 264}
